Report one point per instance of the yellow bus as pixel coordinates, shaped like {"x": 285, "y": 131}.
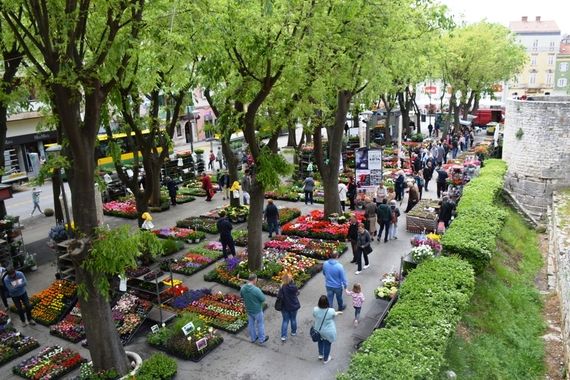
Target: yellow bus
{"x": 103, "y": 158}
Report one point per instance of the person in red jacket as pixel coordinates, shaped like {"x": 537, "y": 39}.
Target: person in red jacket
{"x": 207, "y": 186}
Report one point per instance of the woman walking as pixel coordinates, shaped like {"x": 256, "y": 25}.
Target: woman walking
{"x": 325, "y": 326}
{"x": 288, "y": 293}
{"x": 364, "y": 248}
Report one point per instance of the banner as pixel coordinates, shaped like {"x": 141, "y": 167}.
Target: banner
{"x": 368, "y": 167}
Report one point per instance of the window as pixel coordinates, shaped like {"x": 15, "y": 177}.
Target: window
{"x": 535, "y": 45}
{"x": 549, "y": 79}
{"x": 551, "y": 59}
{"x": 562, "y": 82}
{"x": 533, "y": 60}
{"x": 564, "y": 66}
{"x": 552, "y": 45}
{"x": 178, "y": 130}
{"x": 532, "y": 78}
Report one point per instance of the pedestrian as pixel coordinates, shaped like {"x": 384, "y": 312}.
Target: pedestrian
{"x": 324, "y": 324}
{"x": 147, "y": 225}
{"x": 220, "y": 158}
{"x": 172, "y": 189}
{"x": 234, "y": 191}
{"x": 400, "y": 185}
{"x": 224, "y": 183}
{"x": 384, "y": 216}
{"x": 36, "y": 200}
{"x": 353, "y": 236}
{"x": 346, "y": 129}
{"x": 420, "y": 182}
{"x": 246, "y": 187}
{"x": 15, "y": 283}
{"x": 430, "y": 129}
{"x": 381, "y": 193}
{"x": 391, "y": 194}
{"x": 364, "y": 248}
{"x": 351, "y": 193}
{"x": 428, "y": 173}
{"x": 394, "y": 215}
{"x": 271, "y": 215}
{"x": 357, "y": 301}
{"x": 441, "y": 154}
{"x": 289, "y": 295}
{"x": 441, "y": 181}
{"x": 455, "y": 147}
{"x": 370, "y": 215}
{"x": 413, "y": 196}
{"x": 254, "y": 298}
{"x": 207, "y": 186}
{"x": 308, "y": 188}
{"x": 342, "y": 195}
{"x": 212, "y": 159}
{"x": 335, "y": 280}
{"x": 446, "y": 210}
{"x": 3, "y": 290}
{"x": 225, "y": 229}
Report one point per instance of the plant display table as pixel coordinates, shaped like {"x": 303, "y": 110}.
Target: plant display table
{"x": 53, "y": 303}
{"x": 13, "y": 344}
{"x": 52, "y": 362}
{"x": 179, "y": 233}
{"x": 71, "y": 328}
{"x": 315, "y": 225}
{"x": 315, "y": 248}
{"x": 193, "y": 261}
{"x": 122, "y": 209}
{"x": 198, "y": 223}
{"x": 188, "y": 337}
{"x": 423, "y": 217}
{"x": 233, "y": 271}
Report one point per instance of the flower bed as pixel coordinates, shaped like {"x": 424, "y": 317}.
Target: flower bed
{"x": 388, "y": 288}
{"x": 122, "y": 209}
{"x": 193, "y": 188}
{"x": 283, "y": 195}
{"x": 315, "y": 225}
{"x": 193, "y": 345}
{"x": 315, "y": 248}
{"x": 129, "y": 313}
{"x": 194, "y": 260}
{"x": 52, "y": 362}
{"x": 233, "y": 271}
{"x": 184, "y": 198}
{"x": 240, "y": 237}
{"x": 198, "y": 223}
{"x": 13, "y": 345}
{"x": 51, "y": 304}
{"x": 180, "y": 233}
{"x": 286, "y": 214}
{"x": 71, "y": 328}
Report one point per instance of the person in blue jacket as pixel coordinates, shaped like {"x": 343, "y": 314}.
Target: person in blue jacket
{"x": 288, "y": 293}
{"x": 335, "y": 280}
{"x": 324, "y": 324}
{"x": 15, "y": 283}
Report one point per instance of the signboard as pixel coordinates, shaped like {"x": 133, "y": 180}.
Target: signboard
{"x": 202, "y": 343}
{"x": 188, "y": 328}
{"x": 154, "y": 328}
{"x": 430, "y": 90}
{"x": 368, "y": 165}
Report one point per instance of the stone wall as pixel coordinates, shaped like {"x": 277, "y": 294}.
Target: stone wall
{"x": 536, "y": 147}
{"x": 559, "y": 258}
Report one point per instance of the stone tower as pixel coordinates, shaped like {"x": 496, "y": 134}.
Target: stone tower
{"x": 536, "y": 147}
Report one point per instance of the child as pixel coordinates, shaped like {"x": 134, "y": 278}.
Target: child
{"x": 357, "y": 301}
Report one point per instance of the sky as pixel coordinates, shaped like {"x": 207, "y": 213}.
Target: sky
{"x": 503, "y": 11}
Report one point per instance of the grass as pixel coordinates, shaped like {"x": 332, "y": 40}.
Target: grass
{"x": 500, "y": 335}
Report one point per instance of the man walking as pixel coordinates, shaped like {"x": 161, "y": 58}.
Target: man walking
{"x": 254, "y": 298}
{"x": 271, "y": 214}
{"x": 220, "y": 158}
{"x": 441, "y": 181}
{"x": 335, "y": 280}
{"x": 384, "y": 215}
{"x": 225, "y": 229}
{"x": 15, "y": 283}
{"x": 36, "y": 199}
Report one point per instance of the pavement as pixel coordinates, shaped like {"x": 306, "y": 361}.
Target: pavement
{"x": 236, "y": 358}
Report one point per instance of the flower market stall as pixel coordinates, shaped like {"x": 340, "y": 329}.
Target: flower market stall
{"x": 233, "y": 271}
{"x": 240, "y": 238}
{"x": 198, "y": 223}
{"x": 193, "y": 261}
{"x": 283, "y": 193}
{"x": 53, "y": 303}
{"x": 315, "y": 225}
{"x": 315, "y": 248}
{"x": 71, "y": 328}
{"x": 423, "y": 217}
{"x": 188, "y": 338}
{"x": 388, "y": 288}
{"x": 13, "y": 344}
{"x": 52, "y": 362}
{"x": 180, "y": 233}
{"x": 122, "y": 209}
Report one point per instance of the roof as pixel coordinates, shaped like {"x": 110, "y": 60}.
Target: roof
{"x": 533, "y": 26}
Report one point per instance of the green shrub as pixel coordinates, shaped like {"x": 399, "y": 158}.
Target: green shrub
{"x": 157, "y": 367}
{"x": 413, "y": 343}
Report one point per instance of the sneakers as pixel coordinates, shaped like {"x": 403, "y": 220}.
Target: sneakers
{"x": 321, "y": 357}
{"x": 262, "y": 342}
{"x": 366, "y": 266}
{"x": 395, "y": 237}
{"x": 341, "y": 308}
{"x": 328, "y": 360}
{"x": 294, "y": 334}
{"x": 378, "y": 239}
{"x": 32, "y": 323}
{"x": 357, "y": 272}
{"x": 355, "y": 322}
{"x": 283, "y": 339}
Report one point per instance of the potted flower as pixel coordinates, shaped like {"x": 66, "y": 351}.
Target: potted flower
{"x": 422, "y": 252}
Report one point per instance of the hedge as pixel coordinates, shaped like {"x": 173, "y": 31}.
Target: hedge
{"x": 413, "y": 343}
{"x": 473, "y": 233}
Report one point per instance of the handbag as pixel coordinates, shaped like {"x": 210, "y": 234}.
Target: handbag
{"x": 315, "y": 334}
{"x": 278, "y": 304}
{"x": 367, "y": 249}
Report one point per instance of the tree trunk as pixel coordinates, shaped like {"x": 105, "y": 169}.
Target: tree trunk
{"x": 254, "y": 230}
{"x": 388, "y": 106}
{"x": 56, "y": 188}
{"x": 3, "y": 130}
{"x": 155, "y": 165}
{"x": 292, "y": 138}
{"x": 475, "y": 104}
{"x": 142, "y": 205}
{"x": 404, "y": 109}
{"x": 105, "y": 346}
{"x": 232, "y": 162}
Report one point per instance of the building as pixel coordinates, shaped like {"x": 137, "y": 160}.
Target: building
{"x": 562, "y": 73}
{"x": 541, "y": 38}
{"x": 196, "y": 122}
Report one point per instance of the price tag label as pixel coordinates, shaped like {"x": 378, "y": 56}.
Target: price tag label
{"x": 188, "y": 328}
{"x": 154, "y": 328}
{"x": 202, "y": 343}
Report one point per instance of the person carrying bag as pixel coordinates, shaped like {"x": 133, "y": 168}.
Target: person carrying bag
{"x": 316, "y": 334}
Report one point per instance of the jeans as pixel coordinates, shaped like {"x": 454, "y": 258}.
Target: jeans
{"x": 354, "y": 246}
{"x": 273, "y": 227}
{"x": 343, "y": 205}
{"x": 228, "y": 247}
{"x": 22, "y": 303}
{"x": 288, "y": 316}
{"x": 384, "y": 226}
{"x": 357, "y": 312}
{"x": 308, "y": 197}
{"x": 331, "y": 292}
{"x": 441, "y": 188}
{"x": 359, "y": 253}
{"x": 393, "y": 231}
{"x": 256, "y": 327}
{"x": 324, "y": 348}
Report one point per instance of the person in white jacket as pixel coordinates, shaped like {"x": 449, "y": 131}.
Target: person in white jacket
{"x": 342, "y": 191}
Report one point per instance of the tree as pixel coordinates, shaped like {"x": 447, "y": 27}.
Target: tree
{"x": 76, "y": 49}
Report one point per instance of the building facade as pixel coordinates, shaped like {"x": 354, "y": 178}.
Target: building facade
{"x": 541, "y": 38}
{"x": 562, "y": 72}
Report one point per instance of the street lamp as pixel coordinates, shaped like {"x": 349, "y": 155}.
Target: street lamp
{"x": 53, "y": 152}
